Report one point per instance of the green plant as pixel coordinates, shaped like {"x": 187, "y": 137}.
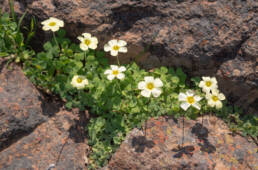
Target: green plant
{"x": 118, "y": 103}
{"x": 12, "y": 43}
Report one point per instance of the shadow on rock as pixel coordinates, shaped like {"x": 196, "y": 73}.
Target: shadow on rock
{"x": 140, "y": 143}
{"x": 77, "y": 131}
{"x": 202, "y": 133}
{"x": 187, "y": 150}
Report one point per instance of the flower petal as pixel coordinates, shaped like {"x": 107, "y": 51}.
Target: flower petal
{"x": 114, "y": 52}
{"x": 208, "y": 96}
{"x": 80, "y": 38}
{"x": 221, "y": 96}
{"x": 211, "y": 103}
{"x": 197, "y": 98}
{"x": 158, "y": 83}
{"x": 206, "y": 78}
{"x": 156, "y": 92}
{"x": 108, "y": 72}
{"x": 107, "y": 47}
{"x": 149, "y": 79}
{"x": 94, "y": 40}
{"x": 185, "y": 106}
{"x": 121, "y": 43}
{"x": 142, "y": 85}
{"x": 201, "y": 84}
{"x": 55, "y": 28}
{"x": 214, "y": 80}
{"x": 218, "y": 105}
{"x": 197, "y": 105}
{"x": 60, "y": 23}
{"x": 93, "y": 46}
{"x": 121, "y": 76}
{"x": 114, "y": 67}
{"x": 46, "y": 22}
{"x": 182, "y": 97}
{"x": 112, "y": 42}
{"x": 123, "y": 50}
{"x": 146, "y": 93}
{"x": 110, "y": 77}
{"x": 122, "y": 69}
{"x": 189, "y": 92}
{"x": 83, "y": 47}
{"x": 86, "y": 35}
{"x": 46, "y": 28}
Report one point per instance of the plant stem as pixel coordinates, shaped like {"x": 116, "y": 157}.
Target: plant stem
{"x": 117, "y": 60}
{"x": 84, "y": 60}
{"x": 145, "y": 123}
{"x": 54, "y": 36}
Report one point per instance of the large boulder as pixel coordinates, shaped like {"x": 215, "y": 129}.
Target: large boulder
{"x": 20, "y": 105}
{"x": 203, "y": 36}
{"x": 207, "y": 145}
{"x": 59, "y": 143}
{"x": 35, "y": 131}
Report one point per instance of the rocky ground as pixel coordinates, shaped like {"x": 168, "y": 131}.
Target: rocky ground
{"x": 206, "y": 37}
{"x": 207, "y": 145}
{"x": 37, "y": 133}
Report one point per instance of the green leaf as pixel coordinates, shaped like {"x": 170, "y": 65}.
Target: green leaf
{"x": 100, "y": 54}
{"x": 61, "y": 33}
{"x": 163, "y": 70}
{"x": 47, "y": 46}
{"x": 3, "y": 54}
{"x": 175, "y": 79}
{"x": 79, "y": 56}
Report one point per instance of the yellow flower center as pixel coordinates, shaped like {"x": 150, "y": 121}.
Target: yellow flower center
{"x": 79, "y": 80}
{"x": 115, "y": 72}
{"x": 87, "y": 41}
{"x": 52, "y": 24}
{"x": 208, "y": 83}
{"x": 116, "y": 47}
{"x": 215, "y": 98}
{"x": 150, "y": 86}
{"x": 190, "y": 99}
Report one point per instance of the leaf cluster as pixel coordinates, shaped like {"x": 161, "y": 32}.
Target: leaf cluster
{"x": 13, "y": 45}
{"x": 116, "y": 106}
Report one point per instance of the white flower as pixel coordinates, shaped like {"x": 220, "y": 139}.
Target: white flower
{"x": 115, "y": 72}
{"x": 214, "y": 98}
{"x": 87, "y": 41}
{"x": 79, "y": 82}
{"x": 208, "y": 83}
{"x": 115, "y": 46}
{"x": 52, "y": 24}
{"x": 189, "y": 99}
{"x": 150, "y": 86}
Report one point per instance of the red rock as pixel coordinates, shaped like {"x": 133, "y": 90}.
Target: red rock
{"x": 20, "y": 106}
{"x": 57, "y": 141}
{"x": 211, "y": 146}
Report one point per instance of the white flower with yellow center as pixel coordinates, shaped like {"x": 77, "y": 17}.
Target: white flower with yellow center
{"x": 208, "y": 83}
{"x": 189, "y": 99}
{"x": 52, "y": 24}
{"x": 115, "y": 46}
{"x": 79, "y": 82}
{"x": 150, "y": 86}
{"x": 87, "y": 41}
{"x": 115, "y": 72}
{"x": 214, "y": 98}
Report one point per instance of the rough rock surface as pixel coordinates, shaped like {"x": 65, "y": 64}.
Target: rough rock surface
{"x": 211, "y": 146}
{"x": 60, "y": 141}
{"x": 204, "y": 36}
{"x": 34, "y": 132}
{"x": 20, "y": 105}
